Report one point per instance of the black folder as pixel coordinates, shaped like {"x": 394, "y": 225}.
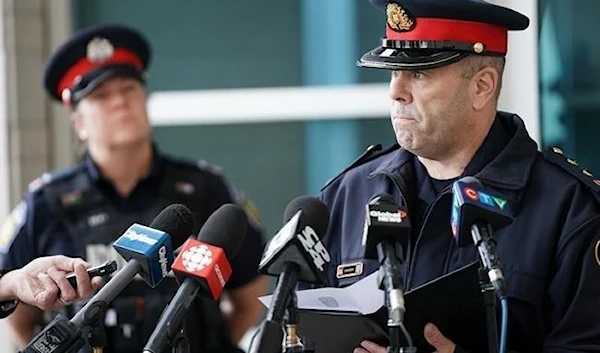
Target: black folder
{"x": 454, "y": 302}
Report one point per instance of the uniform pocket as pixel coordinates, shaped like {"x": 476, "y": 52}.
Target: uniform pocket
{"x": 524, "y": 287}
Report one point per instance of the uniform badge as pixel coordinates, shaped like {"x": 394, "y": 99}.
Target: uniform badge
{"x": 99, "y": 49}
{"x": 349, "y": 270}
{"x": 184, "y": 188}
{"x": 71, "y": 198}
{"x": 398, "y": 18}
{"x": 98, "y": 219}
{"x": 12, "y": 225}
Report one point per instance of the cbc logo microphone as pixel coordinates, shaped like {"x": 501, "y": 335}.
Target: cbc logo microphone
{"x": 197, "y": 258}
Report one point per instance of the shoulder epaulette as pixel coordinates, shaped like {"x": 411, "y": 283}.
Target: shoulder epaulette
{"x": 204, "y": 165}
{"x": 372, "y": 152}
{"x": 556, "y": 156}
{"x": 198, "y": 164}
{"x": 50, "y": 177}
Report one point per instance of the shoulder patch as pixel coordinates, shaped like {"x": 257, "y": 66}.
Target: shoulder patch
{"x": 12, "y": 225}
{"x": 556, "y": 156}
{"x": 372, "y": 152}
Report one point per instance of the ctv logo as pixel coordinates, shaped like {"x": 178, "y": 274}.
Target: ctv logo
{"x": 484, "y": 198}
{"x": 311, "y": 243}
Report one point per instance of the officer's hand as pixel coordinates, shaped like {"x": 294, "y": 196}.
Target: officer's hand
{"x": 436, "y": 339}
{"x": 370, "y": 347}
{"x": 43, "y": 282}
{"x": 431, "y": 333}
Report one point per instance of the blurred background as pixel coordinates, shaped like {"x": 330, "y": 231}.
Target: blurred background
{"x": 268, "y": 90}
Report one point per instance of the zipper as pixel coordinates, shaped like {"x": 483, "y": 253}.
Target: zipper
{"x": 413, "y": 254}
{"x": 428, "y": 211}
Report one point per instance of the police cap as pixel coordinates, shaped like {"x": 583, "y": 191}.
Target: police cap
{"x": 93, "y": 55}
{"x": 425, "y": 34}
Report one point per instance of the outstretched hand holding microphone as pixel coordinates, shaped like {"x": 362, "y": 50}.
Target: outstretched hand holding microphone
{"x": 149, "y": 254}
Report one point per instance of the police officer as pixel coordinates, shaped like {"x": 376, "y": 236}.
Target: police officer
{"x": 446, "y": 60}
{"x": 43, "y": 283}
{"x": 99, "y": 76}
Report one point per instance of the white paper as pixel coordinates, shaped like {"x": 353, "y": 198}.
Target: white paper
{"x": 363, "y": 297}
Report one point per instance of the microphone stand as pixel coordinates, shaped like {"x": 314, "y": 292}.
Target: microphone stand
{"x": 390, "y": 282}
{"x": 292, "y": 341}
{"x": 489, "y": 302}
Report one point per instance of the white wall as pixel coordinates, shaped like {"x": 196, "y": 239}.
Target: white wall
{"x": 521, "y": 80}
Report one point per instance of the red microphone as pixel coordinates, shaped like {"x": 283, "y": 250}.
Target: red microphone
{"x": 202, "y": 260}
{"x": 202, "y": 266}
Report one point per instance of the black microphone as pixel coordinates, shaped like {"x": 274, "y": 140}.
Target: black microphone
{"x": 294, "y": 254}
{"x": 386, "y": 236}
{"x": 479, "y": 212}
{"x": 149, "y": 253}
{"x": 202, "y": 266}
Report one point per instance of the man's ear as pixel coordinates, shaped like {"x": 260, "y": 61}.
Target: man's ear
{"x": 77, "y": 122}
{"x": 485, "y": 85}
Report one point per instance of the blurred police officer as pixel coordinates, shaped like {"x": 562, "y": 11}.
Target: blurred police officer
{"x": 99, "y": 76}
{"x": 43, "y": 283}
{"x": 446, "y": 59}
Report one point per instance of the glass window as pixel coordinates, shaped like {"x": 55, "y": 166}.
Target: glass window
{"x": 569, "y": 77}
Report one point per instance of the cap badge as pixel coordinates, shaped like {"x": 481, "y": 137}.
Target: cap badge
{"x": 398, "y": 19}
{"x": 99, "y": 49}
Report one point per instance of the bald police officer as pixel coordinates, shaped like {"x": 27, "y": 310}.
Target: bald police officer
{"x": 446, "y": 59}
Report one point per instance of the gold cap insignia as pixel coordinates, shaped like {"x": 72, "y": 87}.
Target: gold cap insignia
{"x": 99, "y": 49}
{"x": 398, "y": 19}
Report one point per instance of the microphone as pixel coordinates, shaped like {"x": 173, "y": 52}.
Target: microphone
{"x": 385, "y": 238}
{"x": 294, "y": 254}
{"x": 201, "y": 266}
{"x": 479, "y": 212}
{"x": 149, "y": 253}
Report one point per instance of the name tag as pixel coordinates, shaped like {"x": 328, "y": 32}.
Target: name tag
{"x": 349, "y": 270}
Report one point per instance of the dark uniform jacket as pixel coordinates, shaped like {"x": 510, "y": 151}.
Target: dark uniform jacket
{"x": 550, "y": 254}
{"x": 76, "y": 212}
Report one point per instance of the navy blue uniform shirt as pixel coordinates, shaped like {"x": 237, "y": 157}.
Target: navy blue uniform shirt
{"x": 550, "y": 254}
